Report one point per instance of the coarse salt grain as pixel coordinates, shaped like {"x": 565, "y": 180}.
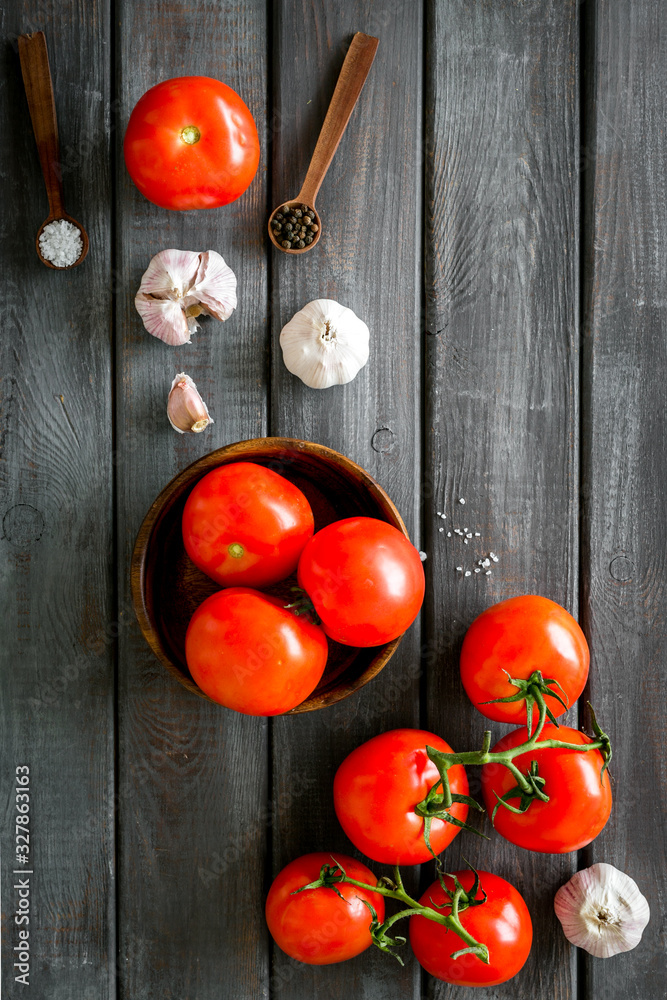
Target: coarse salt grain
{"x": 423, "y": 556}
{"x": 60, "y": 243}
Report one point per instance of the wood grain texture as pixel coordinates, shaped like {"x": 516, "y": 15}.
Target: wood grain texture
{"x": 625, "y": 457}
{"x": 368, "y": 259}
{"x": 353, "y": 73}
{"x": 191, "y": 775}
{"x": 501, "y": 373}
{"x": 56, "y": 583}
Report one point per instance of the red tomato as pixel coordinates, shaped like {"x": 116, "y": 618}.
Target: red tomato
{"x": 579, "y": 803}
{"x": 191, "y": 142}
{"x": 517, "y": 637}
{"x": 502, "y": 923}
{"x": 365, "y": 580}
{"x": 246, "y": 526}
{"x": 247, "y": 652}
{"x": 317, "y": 926}
{"x": 377, "y": 787}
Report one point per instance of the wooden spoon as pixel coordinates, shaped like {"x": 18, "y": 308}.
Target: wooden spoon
{"x": 354, "y": 71}
{"x": 39, "y": 91}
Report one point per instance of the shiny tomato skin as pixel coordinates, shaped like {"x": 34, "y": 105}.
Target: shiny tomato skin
{"x": 212, "y": 171}
{"x": 246, "y": 526}
{"x": 579, "y": 803}
{"x": 521, "y": 635}
{"x": 317, "y": 926}
{"x": 502, "y": 923}
{"x": 365, "y": 579}
{"x": 377, "y": 787}
{"x": 247, "y": 652}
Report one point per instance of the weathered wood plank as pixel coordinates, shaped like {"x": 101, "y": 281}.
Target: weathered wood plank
{"x": 502, "y": 370}
{"x": 625, "y": 455}
{"x": 367, "y": 259}
{"x": 56, "y": 576}
{"x": 192, "y": 776}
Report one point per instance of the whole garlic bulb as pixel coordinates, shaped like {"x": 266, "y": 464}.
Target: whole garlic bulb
{"x": 602, "y": 911}
{"x": 178, "y": 286}
{"x": 325, "y": 344}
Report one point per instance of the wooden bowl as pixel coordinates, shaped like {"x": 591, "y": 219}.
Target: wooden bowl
{"x": 167, "y": 587}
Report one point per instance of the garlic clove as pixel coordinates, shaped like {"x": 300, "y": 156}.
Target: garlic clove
{"x": 325, "y": 344}
{"x": 170, "y": 274}
{"x": 186, "y": 410}
{"x": 178, "y": 286}
{"x": 215, "y": 286}
{"x": 165, "y": 319}
{"x": 602, "y": 910}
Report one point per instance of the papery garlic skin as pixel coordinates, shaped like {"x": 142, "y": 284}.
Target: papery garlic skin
{"x": 325, "y": 344}
{"x": 186, "y": 410}
{"x": 602, "y": 911}
{"x": 178, "y": 286}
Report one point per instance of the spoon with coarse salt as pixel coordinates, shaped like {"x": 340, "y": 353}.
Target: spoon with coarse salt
{"x": 61, "y": 241}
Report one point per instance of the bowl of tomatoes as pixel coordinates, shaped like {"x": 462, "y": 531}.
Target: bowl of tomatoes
{"x": 185, "y": 586}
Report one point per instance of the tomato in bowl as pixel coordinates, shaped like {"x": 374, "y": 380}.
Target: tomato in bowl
{"x": 167, "y": 587}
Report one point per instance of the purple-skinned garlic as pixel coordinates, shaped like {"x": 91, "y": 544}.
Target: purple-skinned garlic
{"x": 186, "y": 410}
{"x": 178, "y": 286}
{"x": 602, "y": 911}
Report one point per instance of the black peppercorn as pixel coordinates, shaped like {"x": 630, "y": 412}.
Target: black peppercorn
{"x": 305, "y": 208}
{"x": 298, "y": 213}
{"x": 313, "y": 227}
{"x": 308, "y": 239}
{"x": 285, "y": 209}
{"x": 286, "y": 244}
{"x": 289, "y": 227}
{"x": 279, "y": 217}
{"x": 300, "y": 244}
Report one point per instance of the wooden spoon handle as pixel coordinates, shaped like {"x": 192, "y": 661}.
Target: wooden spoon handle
{"x": 354, "y": 71}
{"x": 39, "y": 90}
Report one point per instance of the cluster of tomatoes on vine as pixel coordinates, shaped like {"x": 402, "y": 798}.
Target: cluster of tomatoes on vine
{"x": 402, "y": 797}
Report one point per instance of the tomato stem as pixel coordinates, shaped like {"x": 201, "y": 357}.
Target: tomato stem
{"x": 458, "y": 901}
{"x": 303, "y": 605}
{"x": 529, "y": 786}
{"x": 533, "y": 690}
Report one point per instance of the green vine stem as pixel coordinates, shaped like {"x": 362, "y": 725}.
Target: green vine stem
{"x": 533, "y": 691}
{"x": 302, "y": 605}
{"x": 458, "y": 901}
{"x": 529, "y": 786}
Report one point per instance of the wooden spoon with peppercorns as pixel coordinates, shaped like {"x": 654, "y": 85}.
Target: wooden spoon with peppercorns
{"x": 298, "y": 217}
{"x": 41, "y": 104}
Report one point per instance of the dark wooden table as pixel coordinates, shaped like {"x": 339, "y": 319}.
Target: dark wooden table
{"x": 497, "y": 213}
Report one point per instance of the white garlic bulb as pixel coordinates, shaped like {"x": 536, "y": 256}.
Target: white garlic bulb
{"x": 178, "y": 286}
{"x": 186, "y": 410}
{"x": 325, "y": 344}
{"x": 602, "y": 911}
